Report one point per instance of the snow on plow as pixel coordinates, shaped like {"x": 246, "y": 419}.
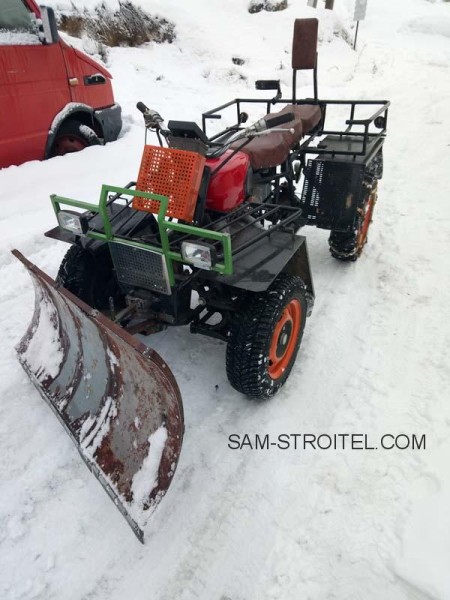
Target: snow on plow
{"x": 116, "y": 398}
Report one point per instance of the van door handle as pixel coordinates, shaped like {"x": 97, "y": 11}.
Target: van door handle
{"x": 96, "y": 79}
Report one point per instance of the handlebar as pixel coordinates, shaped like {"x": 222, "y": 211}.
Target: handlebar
{"x": 142, "y": 107}
{"x": 153, "y": 120}
{"x": 152, "y": 117}
{"x": 280, "y": 120}
{"x": 267, "y": 123}
{"x": 264, "y": 125}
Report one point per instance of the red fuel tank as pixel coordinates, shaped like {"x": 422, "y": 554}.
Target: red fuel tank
{"x": 227, "y": 187}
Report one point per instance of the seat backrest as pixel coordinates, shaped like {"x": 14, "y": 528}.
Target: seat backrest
{"x": 174, "y": 173}
{"x": 304, "y": 50}
{"x": 304, "y": 44}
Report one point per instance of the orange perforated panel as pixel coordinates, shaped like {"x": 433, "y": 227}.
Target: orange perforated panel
{"x": 176, "y": 174}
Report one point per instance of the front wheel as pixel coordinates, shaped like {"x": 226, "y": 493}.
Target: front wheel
{"x": 265, "y": 338}
{"x": 91, "y": 278}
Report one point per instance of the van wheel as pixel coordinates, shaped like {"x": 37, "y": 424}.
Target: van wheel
{"x": 72, "y": 137}
{"x": 265, "y": 338}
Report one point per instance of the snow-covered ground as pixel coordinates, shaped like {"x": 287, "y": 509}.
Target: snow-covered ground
{"x": 243, "y": 524}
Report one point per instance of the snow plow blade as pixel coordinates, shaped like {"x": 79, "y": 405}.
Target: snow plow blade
{"x": 116, "y": 397}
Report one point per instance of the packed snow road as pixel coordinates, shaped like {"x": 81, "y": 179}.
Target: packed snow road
{"x": 241, "y": 524}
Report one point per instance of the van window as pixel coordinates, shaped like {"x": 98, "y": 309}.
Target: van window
{"x": 17, "y": 24}
{"x": 14, "y": 16}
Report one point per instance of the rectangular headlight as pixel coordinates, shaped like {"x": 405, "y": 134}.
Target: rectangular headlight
{"x": 72, "y": 221}
{"x": 199, "y": 254}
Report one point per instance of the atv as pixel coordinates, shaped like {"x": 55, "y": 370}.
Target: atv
{"x": 207, "y": 236}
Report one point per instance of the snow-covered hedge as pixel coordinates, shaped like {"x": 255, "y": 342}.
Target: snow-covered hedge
{"x": 129, "y": 25}
{"x": 269, "y": 5}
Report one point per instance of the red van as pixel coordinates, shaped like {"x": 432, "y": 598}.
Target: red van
{"x": 54, "y": 99}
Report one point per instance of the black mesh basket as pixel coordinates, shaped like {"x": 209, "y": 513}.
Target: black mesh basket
{"x": 332, "y": 193}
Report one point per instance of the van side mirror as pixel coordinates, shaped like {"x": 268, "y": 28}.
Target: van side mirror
{"x": 49, "y": 27}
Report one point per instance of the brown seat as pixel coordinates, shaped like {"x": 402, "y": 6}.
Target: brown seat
{"x": 272, "y": 149}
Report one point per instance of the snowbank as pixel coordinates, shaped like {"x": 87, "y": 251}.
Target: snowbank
{"x": 430, "y": 26}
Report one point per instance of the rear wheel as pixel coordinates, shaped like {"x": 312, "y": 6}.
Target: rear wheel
{"x": 72, "y": 137}
{"x": 265, "y": 338}
{"x": 348, "y": 245}
{"x": 91, "y": 278}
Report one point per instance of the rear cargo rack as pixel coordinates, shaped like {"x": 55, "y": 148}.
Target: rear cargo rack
{"x": 356, "y": 127}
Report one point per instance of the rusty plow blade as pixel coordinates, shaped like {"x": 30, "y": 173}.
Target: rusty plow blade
{"x": 116, "y": 397}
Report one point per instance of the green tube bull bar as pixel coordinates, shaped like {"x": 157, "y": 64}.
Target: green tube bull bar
{"x": 225, "y": 267}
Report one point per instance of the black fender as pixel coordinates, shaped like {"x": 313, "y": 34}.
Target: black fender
{"x": 299, "y": 265}
{"x": 257, "y": 267}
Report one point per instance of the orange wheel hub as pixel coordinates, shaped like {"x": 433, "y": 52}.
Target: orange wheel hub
{"x": 284, "y": 339}
{"x": 367, "y": 220}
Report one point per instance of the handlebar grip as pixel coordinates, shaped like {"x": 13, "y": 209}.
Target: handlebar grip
{"x": 280, "y": 120}
{"x": 141, "y": 106}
